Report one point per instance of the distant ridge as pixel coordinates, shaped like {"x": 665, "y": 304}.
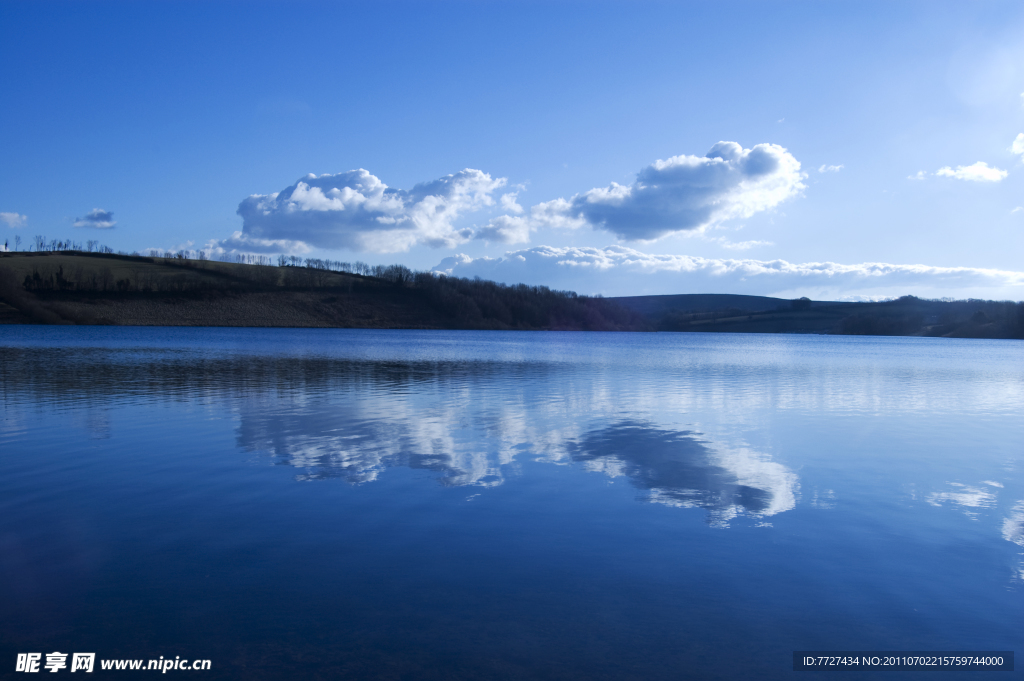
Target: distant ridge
{"x": 906, "y": 316}
{"x": 704, "y": 302}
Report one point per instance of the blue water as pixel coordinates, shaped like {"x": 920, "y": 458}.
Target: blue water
{"x": 485, "y": 505}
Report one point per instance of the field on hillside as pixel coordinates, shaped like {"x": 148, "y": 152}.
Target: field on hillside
{"x": 72, "y": 271}
{"x": 89, "y": 288}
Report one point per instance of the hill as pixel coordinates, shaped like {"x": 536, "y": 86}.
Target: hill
{"x": 657, "y": 306}
{"x": 72, "y": 287}
{"x": 906, "y": 316}
{"x": 75, "y": 287}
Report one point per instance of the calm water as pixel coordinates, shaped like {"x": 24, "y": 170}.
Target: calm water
{"x": 484, "y": 505}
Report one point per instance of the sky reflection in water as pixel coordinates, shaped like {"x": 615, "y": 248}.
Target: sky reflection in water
{"x": 779, "y": 493}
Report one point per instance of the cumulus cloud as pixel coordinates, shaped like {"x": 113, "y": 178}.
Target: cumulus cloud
{"x": 506, "y": 229}
{"x": 97, "y": 218}
{"x": 556, "y": 213}
{"x": 618, "y": 270}
{"x": 919, "y": 175}
{"x": 240, "y": 243}
{"x": 683, "y": 193}
{"x": 977, "y": 172}
{"x": 1018, "y": 144}
{"x": 356, "y": 210}
{"x": 13, "y": 219}
{"x": 830, "y": 169}
{"x": 509, "y": 202}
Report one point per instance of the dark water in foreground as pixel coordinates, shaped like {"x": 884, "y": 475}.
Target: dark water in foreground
{"x": 485, "y": 505}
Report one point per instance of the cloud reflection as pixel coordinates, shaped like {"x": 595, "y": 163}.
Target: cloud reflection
{"x": 332, "y": 441}
{"x": 470, "y": 422}
{"x": 1013, "y": 531}
{"x": 683, "y": 469}
{"x": 967, "y": 497}
{"x": 1013, "y": 525}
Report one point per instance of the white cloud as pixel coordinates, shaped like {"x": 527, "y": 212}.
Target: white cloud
{"x": 1018, "y": 144}
{"x": 977, "y": 172}
{"x": 682, "y": 193}
{"x": 619, "y": 271}
{"x": 356, "y": 210}
{"x": 13, "y": 219}
{"x": 725, "y": 242}
{"x": 97, "y": 218}
{"x": 1017, "y": 209}
{"x": 830, "y": 169}
{"x": 742, "y": 245}
{"x": 506, "y": 229}
{"x": 920, "y": 175}
{"x": 509, "y": 203}
{"x": 555, "y": 214}
{"x": 240, "y": 243}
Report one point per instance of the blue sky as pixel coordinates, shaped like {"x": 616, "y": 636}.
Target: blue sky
{"x": 857, "y": 132}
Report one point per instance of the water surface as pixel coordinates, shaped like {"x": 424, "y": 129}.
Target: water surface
{"x": 488, "y": 505}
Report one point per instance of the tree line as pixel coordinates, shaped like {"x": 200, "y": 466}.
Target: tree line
{"x": 41, "y": 244}
{"x": 910, "y": 315}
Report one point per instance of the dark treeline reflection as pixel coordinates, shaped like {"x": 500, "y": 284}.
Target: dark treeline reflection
{"x": 85, "y": 374}
{"x": 467, "y": 421}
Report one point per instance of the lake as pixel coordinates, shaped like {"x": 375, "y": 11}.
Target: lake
{"x": 487, "y": 505}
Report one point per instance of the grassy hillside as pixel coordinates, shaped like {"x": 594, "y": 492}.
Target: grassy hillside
{"x": 70, "y": 287}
